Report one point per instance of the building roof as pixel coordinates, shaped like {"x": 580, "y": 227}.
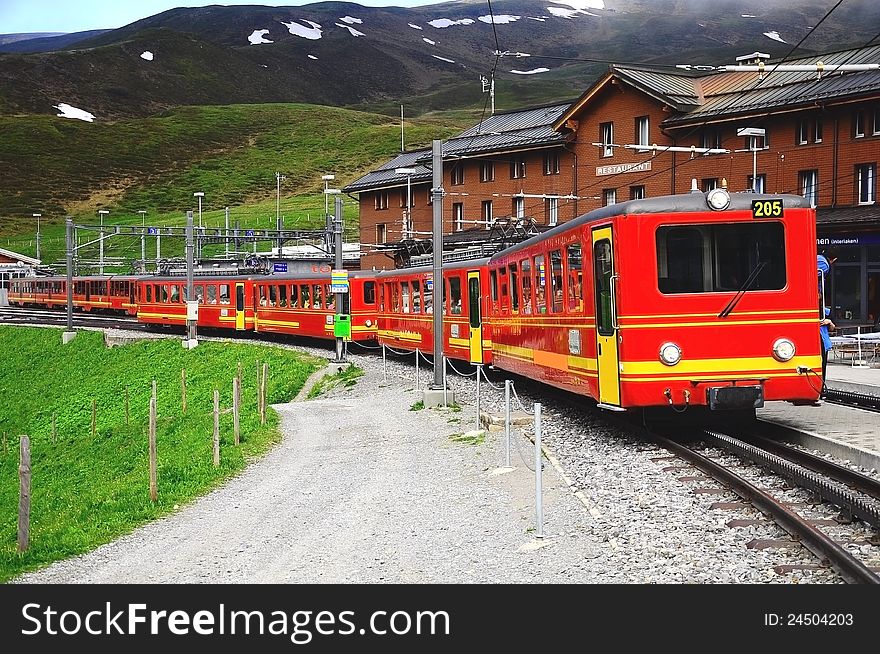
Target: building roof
{"x": 848, "y": 215}
{"x": 503, "y": 132}
{"x": 9, "y": 254}
{"x": 699, "y": 96}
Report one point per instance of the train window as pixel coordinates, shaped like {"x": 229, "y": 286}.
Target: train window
{"x": 395, "y": 297}
{"x": 575, "y": 277}
{"x": 186, "y": 297}
{"x": 429, "y": 294}
{"x": 493, "y": 285}
{"x": 330, "y": 297}
{"x": 317, "y": 300}
{"x": 404, "y": 296}
{"x": 273, "y": 296}
{"x": 282, "y": 295}
{"x": 514, "y": 288}
{"x": 369, "y": 292}
{"x": 262, "y": 293}
{"x": 604, "y": 270}
{"x": 304, "y": 295}
{"x": 474, "y": 301}
{"x": 540, "y": 284}
{"x": 556, "y": 279}
{"x": 526, "y": 270}
{"x": 200, "y": 293}
{"x": 212, "y": 293}
{"x": 224, "y": 294}
{"x": 175, "y": 294}
{"x": 294, "y": 296}
{"x": 164, "y": 292}
{"x": 455, "y": 295}
{"x": 416, "y": 297}
{"x": 157, "y": 293}
{"x": 721, "y": 257}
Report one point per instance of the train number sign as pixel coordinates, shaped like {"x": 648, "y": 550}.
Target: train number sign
{"x": 767, "y": 208}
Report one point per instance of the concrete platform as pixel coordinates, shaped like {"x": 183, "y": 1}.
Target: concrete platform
{"x": 851, "y": 434}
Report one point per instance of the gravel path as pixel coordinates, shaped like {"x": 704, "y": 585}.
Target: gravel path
{"x": 363, "y": 489}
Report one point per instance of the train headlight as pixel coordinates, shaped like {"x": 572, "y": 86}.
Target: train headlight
{"x": 718, "y": 199}
{"x": 368, "y": 323}
{"x": 783, "y": 349}
{"x": 670, "y": 354}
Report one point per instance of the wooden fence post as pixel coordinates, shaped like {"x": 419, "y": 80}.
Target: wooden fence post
{"x": 236, "y": 407}
{"x": 183, "y": 388}
{"x": 94, "y": 416}
{"x": 238, "y": 373}
{"x": 259, "y": 384}
{"x": 216, "y": 428}
{"x": 24, "y": 498}
{"x": 154, "y": 491}
{"x": 126, "y": 405}
{"x": 265, "y": 393}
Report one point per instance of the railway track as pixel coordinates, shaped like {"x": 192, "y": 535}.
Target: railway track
{"x": 853, "y": 399}
{"x": 22, "y": 316}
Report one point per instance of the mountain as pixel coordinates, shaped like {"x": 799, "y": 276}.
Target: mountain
{"x": 44, "y": 42}
{"x": 429, "y": 57}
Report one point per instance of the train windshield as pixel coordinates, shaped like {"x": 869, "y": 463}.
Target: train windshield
{"x": 720, "y": 258}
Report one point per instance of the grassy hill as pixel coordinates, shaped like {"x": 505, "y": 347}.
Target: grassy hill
{"x": 88, "y": 490}
{"x": 57, "y": 166}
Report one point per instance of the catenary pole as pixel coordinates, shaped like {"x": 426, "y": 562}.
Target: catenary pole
{"x": 437, "y": 197}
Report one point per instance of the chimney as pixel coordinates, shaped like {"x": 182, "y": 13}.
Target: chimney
{"x": 753, "y": 59}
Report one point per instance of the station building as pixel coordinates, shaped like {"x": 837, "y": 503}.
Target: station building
{"x": 815, "y": 133}
{"x": 12, "y": 265}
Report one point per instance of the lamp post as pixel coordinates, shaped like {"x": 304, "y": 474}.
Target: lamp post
{"x": 328, "y": 221}
{"x": 101, "y": 213}
{"x": 753, "y": 133}
{"x": 198, "y": 250}
{"x": 278, "y": 178}
{"x": 38, "y": 216}
{"x": 199, "y": 195}
{"x": 408, "y": 172}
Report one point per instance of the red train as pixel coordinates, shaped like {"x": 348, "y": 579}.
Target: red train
{"x": 698, "y": 300}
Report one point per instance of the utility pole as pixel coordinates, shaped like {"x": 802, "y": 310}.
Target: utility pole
{"x": 337, "y": 252}
{"x": 278, "y": 178}
{"x": 143, "y": 214}
{"x": 38, "y": 216}
{"x": 227, "y": 232}
{"x": 101, "y": 213}
{"x": 69, "y": 334}
{"x": 192, "y": 303}
{"x": 434, "y": 395}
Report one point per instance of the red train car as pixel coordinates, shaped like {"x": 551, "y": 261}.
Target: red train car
{"x": 406, "y": 299}
{"x": 225, "y": 302}
{"x": 107, "y": 293}
{"x": 705, "y": 300}
{"x": 303, "y": 304}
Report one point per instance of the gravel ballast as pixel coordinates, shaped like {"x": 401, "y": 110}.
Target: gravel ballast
{"x": 365, "y": 489}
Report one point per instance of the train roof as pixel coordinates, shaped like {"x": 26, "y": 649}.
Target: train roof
{"x": 83, "y": 278}
{"x": 277, "y": 277}
{"x": 416, "y": 270}
{"x": 681, "y": 203}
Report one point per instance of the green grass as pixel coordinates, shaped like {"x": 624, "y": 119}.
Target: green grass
{"x": 469, "y": 438}
{"x": 61, "y": 167}
{"x": 347, "y": 377}
{"x": 417, "y": 406}
{"x": 89, "y": 490}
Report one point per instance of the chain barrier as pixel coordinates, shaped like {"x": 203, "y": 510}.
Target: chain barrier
{"x": 426, "y": 359}
{"x": 519, "y": 401}
{"x": 367, "y": 347}
{"x": 486, "y": 377}
{"x": 524, "y": 457}
{"x": 459, "y": 373}
{"x": 405, "y": 353}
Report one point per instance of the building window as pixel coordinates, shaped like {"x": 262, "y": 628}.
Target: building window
{"x": 803, "y": 132}
{"x": 710, "y": 138}
{"x": 412, "y": 198}
{"x": 642, "y": 130}
{"x": 381, "y": 200}
{"x": 487, "y": 171}
{"x": 606, "y": 135}
{"x": 808, "y": 182}
{"x": 817, "y": 131}
{"x": 381, "y": 233}
{"x": 458, "y": 216}
{"x": 709, "y": 183}
{"x": 875, "y": 127}
{"x": 759, "y": 184}
{"x": 517, "y": 168}
{"x": 551, "y": 163}
{"x": 866, "y": 175}
{"x": 430, "y": 197}
{"x": 609, "y": 196}
{"x": 858, "y": 124}
{"x": 486, "y": 213}
{"x": 637, "y": 192}
{"x": 519, "y": 207}
{"x": 757, "y": 142}
{"x": 457, "y": 175}
{"x": 551, "y": 211}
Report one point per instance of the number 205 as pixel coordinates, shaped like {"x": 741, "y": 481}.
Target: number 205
{"x": 767, "y": 208}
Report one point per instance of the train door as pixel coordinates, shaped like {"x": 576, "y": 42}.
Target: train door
{"x": 239, "y": 306}
{"x": 474, "y": 317}
{"x": 604, "y": 279}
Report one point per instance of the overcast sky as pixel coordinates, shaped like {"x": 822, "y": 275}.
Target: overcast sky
{"x": 79, "y": 15}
